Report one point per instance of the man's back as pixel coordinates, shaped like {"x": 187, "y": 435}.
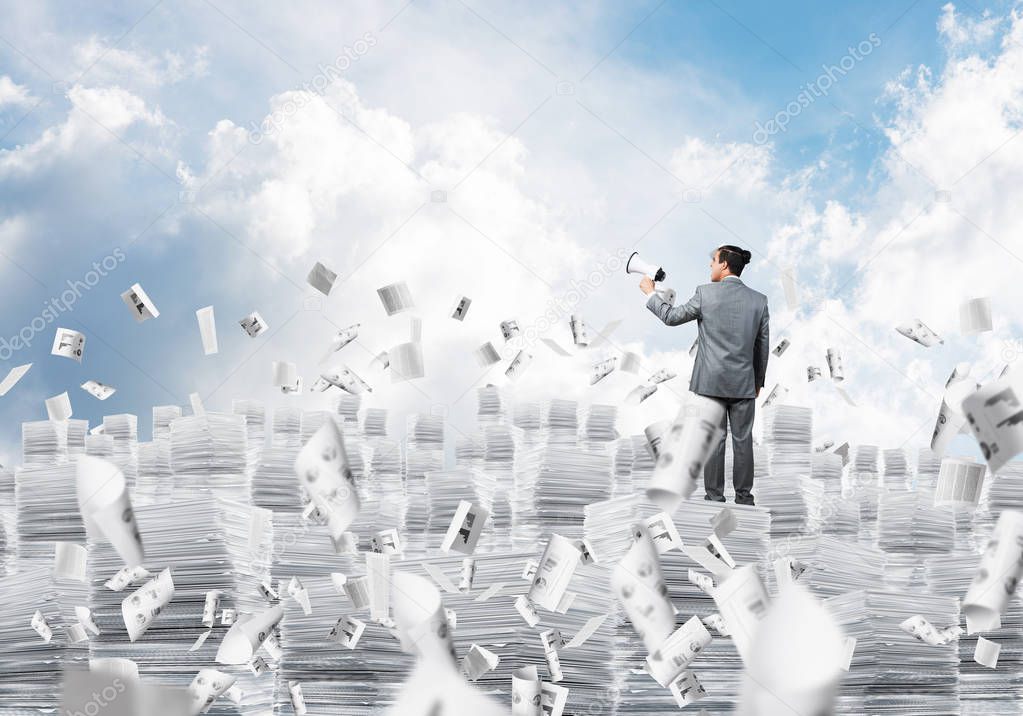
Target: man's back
{"x": 733, "y": 343}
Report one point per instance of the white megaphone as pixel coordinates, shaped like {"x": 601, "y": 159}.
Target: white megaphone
{"x": 637, "y": 265}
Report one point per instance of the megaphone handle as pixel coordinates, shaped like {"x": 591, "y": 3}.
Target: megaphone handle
{"x": 659, "y": 276}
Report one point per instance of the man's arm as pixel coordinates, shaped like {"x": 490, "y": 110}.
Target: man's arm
{"x": 673, "y": 316}
{"x": 762, "y": 350}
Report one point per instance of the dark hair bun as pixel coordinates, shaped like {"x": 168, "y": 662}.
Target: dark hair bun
{"x": 746, "y": 255}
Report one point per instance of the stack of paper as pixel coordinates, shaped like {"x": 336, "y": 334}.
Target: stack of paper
{"x": 209, "y": 451}
{"x": 48, "y": 511}
{"x": 43, "y": 442}
{"x": 424, "y": 452}
{"x": 287, "y": 427}
{"x": 909, "y": 523}
{"x": 624, "y": 455}
{"x": 77, "y": 430}
{"x": 255, "y": 429}
{"x": 897, "y": 477}
{"x": 347, "y": 407}
{"x": 490, "y": 408}
{"x": 374, "y": 422}
{"x": 928, "y": 464}
{"x": 124, "y": 429}
{"x": 566, "y": 481}
{"x": 497, "y": 487}
{"x": 561, "y": 420}
{"x": 274, "y": 485}
{"x": 788, "y": 433}
{"x": 599, "y": 423}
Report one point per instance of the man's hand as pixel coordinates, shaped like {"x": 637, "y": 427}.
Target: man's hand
{"x": 758, "y": 391}
{"x": 646, "y": 285}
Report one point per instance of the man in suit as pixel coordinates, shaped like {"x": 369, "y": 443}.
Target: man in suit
{"x": 731, "y": 359}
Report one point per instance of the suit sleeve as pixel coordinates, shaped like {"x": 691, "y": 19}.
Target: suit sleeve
{"x": 762, "y": 349}
{"x": 675, "y": 315}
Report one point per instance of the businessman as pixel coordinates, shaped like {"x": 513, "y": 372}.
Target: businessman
{"x": 731, "y": 360}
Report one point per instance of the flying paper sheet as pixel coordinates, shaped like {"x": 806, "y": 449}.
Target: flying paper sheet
{"x": 420, "y": 619}
{"x": 509, "y": 329}
{"x": 244, "y": 638}
{"x": 995, "y": 416}
{"x": 140, "y": 608}
{"x": 406, "y": 362}
{"x": 487, "y": 355}
{"x": 580, "y": 335}
{"x": 676, "y": 652}
{"x": 554, "y": 573}
{"x": 959, "y": 483}
{"x": 640, "y": 393}
{"x": 69, "y": 561}
{"x": 253, "y": 324}
{"x": 207, "y": 329}
{"x": 602, "y": 369}
{"x": 519, "y": 364}
{"x": 345, "y": 378}
{"x": 479, "y": 661}
{"x": 321, "y": 278}
{"x": 106, "y": 507}
{"x": 207, "y": 686}
{"x": 68, "y": 344}
{"x": 742, "y": 601}
{"x": 98, "y": 390}
{"x": 630, "y": 363}
{"x": 525, "y": 692}
{"x": 12, "y": 378}
{"x": 323, "y": 470}
{"x": 638, "y": 583}
{"x": 916, "y": 331}
{"x": 142, "y": 307}
{"x": 58, "y": 407}
{"x": 396, "y": 298}
{"x": 998, "y": 575}
{"x": 461, "y": 308}
{"x": 465, "y": 529}
{"x": 975, "y": 316}
{"x": 684, "y": 450}
{"x": 347, "y": 632}
{"x": 781, "y": 347}
{"x": 950, "y": 415}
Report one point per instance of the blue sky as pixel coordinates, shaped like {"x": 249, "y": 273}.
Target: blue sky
{"x": 116, "y": 110}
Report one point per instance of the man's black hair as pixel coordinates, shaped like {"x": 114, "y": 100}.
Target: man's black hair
{"x": 735, "y": 257}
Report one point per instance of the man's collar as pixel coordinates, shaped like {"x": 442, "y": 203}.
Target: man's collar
{"x": 732, "y": 276}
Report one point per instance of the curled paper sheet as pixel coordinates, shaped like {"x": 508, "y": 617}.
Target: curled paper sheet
{"x": 686, "y": 689}
{"x": 419, "y": 618}
{"x": 126, "y": 576}
{"x": 341, "y": 339}
{"x": 465, "y": 528}
{"x": 654, "y": 433}
{"x": 782, "y": 346}
{"x": 777, "y": 392}
{"x": 602, "y": 369}
{"x": 662, "y": 376}
{"x": 638, "y": 583}
{"x": 586, "y": 631}
{"x": 207, "y": 686}
{"x": 510, "y": 329}
{"x": 916, "y": 331}
{"x": 580, "y": 334}
{"x": 479, "y": 661}
{"x": 525, "y": 691}
{"x": 468, "y": 575}
{"x": 140, "y": 608}
{"x": 554, "y": 573}
{"x": 323, "y": 470}
{"x": 553, "y": 699}
{"x": 406, "y": 362}
{"x": 986, "y": 652}
{"x": 518, "y": 364}
{"x": 995, "y": 415}
{"x": 142, "y": 307}
{"x": 794, "y": 663}
{"x": 663, "y": 532}
{"x": 630, "y": 363}
{"x": 926, "y": 632}
{"x": 487, "y": 355}
{"x": 640, "y": 393}
{"x": 435, "y": 689}
{"x": 244, "y": 638}
{"x": 297, "y": 699}
{"x": 950, "y": 415}
{"x": 253, "y": 324}
{"x": 834, "y": 360}
{"x": 106, "y": 508}
{"x": 998, "y": 575}
{"x": 347, "y": 631}
{"x": 345, "y": 378}
{"x": 676, "y": 652}
{"x": 68, "y": 344}
{"x": 742, "y": 602}
{"x": 684, "y": 450}
{"x": 975, "y": 316}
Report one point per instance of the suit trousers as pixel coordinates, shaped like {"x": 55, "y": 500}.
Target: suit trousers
{"x": 739, "y": 418}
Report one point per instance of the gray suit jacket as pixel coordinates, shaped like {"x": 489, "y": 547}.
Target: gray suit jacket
{"x": 734, "y": 340}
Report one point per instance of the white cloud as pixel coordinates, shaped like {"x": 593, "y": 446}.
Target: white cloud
{"x": 13, "y": 94}
{"x": 96, "y": 116}
{"x": 107, "y": 64}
